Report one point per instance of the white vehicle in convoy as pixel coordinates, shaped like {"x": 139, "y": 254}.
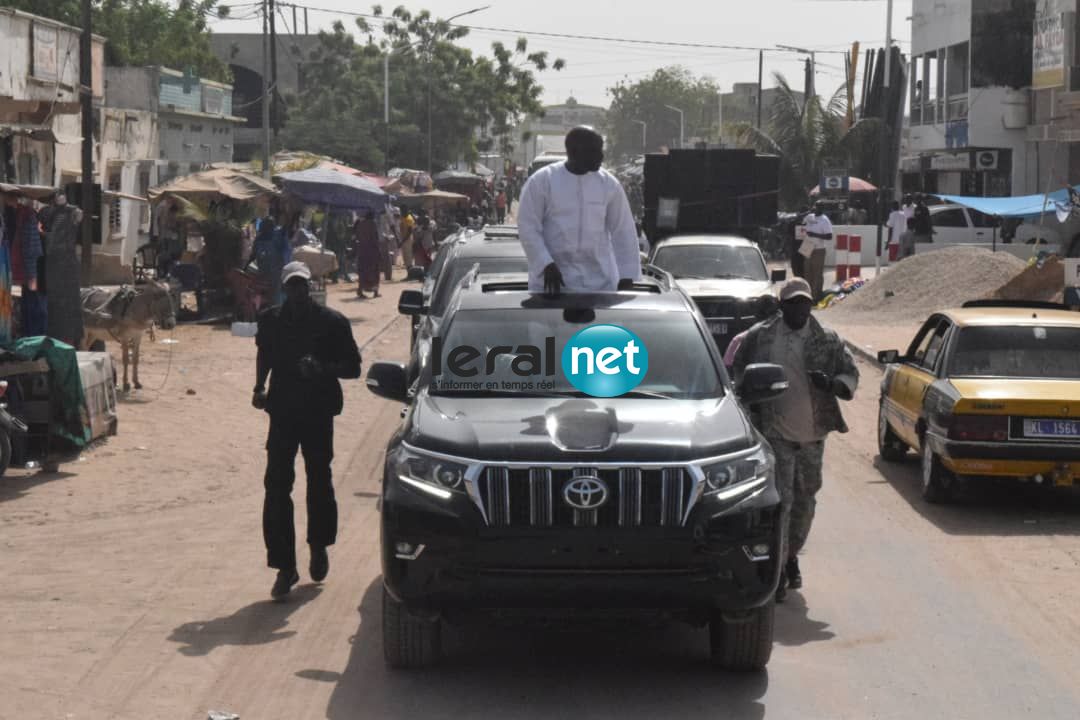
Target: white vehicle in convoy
{"x": 959, "y": 225}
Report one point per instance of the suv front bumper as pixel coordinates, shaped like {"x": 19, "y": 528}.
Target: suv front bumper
{"x": 440, "y": 555}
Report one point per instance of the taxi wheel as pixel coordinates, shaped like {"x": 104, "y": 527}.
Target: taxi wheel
{"x": 937, "y": 481}
{"x": 890, "y": 447}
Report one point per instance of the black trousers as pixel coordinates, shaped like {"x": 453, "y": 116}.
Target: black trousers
{"x": 314, "y": 437}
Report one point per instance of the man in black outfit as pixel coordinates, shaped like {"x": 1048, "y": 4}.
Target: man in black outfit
{"x": 304, "y": 348}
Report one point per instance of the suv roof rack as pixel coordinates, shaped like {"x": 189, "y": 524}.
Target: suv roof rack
{"x": 1020, "y": 304}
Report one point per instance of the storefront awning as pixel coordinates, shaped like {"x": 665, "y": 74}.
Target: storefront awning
{"x": 1012, "y": 207}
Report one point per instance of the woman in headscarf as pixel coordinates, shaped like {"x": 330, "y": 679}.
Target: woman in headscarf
{"x": 368, "y": 261}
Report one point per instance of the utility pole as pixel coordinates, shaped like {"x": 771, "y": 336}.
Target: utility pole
{"x": 295, "y": 27}
{"x": 760, "y": 79}
{"x": 273, "y": 70}
{"x": 266, "y": 94}
{"x": 305, "y": 22}
{"x": 720, "y": 115}
{"x": 86, "y": 100}
{"x": 885, "y": 146}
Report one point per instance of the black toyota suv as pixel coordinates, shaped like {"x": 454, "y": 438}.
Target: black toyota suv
{"x": 529, "y": 496}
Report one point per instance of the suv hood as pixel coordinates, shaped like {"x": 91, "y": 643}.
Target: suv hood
{"x": 545, "y": 430}
{"x": 725, "y": 288}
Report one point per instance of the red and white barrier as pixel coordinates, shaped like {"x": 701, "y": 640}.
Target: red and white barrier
{"x": 854, "y": 258}
{"x": 841, "y": 258}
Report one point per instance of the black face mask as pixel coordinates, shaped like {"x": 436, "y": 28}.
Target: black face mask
{"x": 796, "y": 313}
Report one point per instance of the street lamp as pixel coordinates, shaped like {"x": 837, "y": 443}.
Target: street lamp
{"x": 682, "y": 124}
{"x": 644, "y": 134}
{"x": 813, "y": 64}
{"x": 386, "y": 87}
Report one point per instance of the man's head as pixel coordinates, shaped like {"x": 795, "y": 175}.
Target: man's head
{"x": 584, "y": 150}
{"x": 296, "y": 279}
{"x": 819, "y": 208}
{"x": 895, "y": 206}
{"x": 796, "y": 302}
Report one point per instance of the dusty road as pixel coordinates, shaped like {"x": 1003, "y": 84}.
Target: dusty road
{"x": 134, "y": 587}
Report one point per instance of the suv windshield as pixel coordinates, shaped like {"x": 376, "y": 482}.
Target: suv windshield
{"x": 1019, "y": 352}
{"x": 680, "y": 364}
{"x": 448, "y": 280}
{"x": 711, "y": 261}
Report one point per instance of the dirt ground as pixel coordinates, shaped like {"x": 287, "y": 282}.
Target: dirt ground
{"x": 135, "y": 586}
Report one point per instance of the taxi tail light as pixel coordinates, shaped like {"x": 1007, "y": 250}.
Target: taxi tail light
{"x": 979, "y": 428}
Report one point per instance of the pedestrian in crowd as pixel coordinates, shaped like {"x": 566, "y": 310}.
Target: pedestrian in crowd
{"x": 388, "y": 242}
{"x": 909, "y": 206}
{"x": 271, "y": 252}
{"x": 407, "y": 232}
{"x": 368, "y": 250}
{"x": 819, "y": 369}
{"x": 798, "y": 262}
{"x": 425, "y": 245}
{"x": 576, "y": 225}
{"x": 819, "y": 231}
{"x": 337, "y": 230}
{"x": 500, "y": 207}
{"x": 924, "y": 227}
{"x": 907, "y": 240}
{"x": 27, "y": 262}
{"x": 304, "y": 349}
{"x": 897, "y": 224}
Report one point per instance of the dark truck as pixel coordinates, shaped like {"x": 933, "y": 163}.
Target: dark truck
{"x": 542, "y": 500}
{"x": 703, "y": 211}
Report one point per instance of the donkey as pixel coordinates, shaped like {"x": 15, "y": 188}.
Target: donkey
{"x": 123, "y": 315}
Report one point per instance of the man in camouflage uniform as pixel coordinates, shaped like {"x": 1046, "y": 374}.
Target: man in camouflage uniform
{"x": 820, "y": 369}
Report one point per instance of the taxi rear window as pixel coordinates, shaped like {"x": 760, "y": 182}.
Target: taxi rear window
{"x": 1018, "y": 351}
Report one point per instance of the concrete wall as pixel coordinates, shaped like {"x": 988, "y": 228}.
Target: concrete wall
{"x": 131, "y": 87}
{"x": 937, "y": 24}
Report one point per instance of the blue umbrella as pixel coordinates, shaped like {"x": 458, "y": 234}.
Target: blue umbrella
{"x": 322, "y": 186}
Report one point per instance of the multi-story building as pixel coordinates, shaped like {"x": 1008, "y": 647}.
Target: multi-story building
{"x": 741, "y": 104}
{"x": 548, "y": 132}
{"x": 970, "y": 99}
{"x": 40, "y": 128}
{"x": 1055, "y": 95}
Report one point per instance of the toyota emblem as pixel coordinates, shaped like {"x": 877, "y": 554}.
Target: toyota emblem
{"x": 585, "y": 492}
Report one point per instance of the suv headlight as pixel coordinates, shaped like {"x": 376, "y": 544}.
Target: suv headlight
{"x": 435, "y": 476}
{"x": 737, "y": 476}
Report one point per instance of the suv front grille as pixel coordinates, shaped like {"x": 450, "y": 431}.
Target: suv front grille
{"x": 636, "y": 497}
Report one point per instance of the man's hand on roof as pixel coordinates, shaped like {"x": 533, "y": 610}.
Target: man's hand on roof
{"x": 553, "y": 281}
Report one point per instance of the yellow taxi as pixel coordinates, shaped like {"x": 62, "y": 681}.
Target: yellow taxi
{"x": 988, "y": 390}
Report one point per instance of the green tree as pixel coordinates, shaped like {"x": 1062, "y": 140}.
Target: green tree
{"x": 649, "y": 101}
{"x": 808, "y": 134}
{"x": 470, "y": 101}
{"x": 145, "y": 32}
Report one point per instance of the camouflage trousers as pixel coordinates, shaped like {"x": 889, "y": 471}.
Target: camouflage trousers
{"x": 798, "y": 479}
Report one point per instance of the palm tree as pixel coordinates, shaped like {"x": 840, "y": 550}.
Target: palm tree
{"x": 808, "y": 135}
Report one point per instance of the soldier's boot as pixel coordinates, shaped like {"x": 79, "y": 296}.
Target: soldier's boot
{"x": 794, "y": 577}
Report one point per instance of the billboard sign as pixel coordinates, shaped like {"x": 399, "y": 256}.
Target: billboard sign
{"x": 1048, "y": 47}
{"x": 44, "y": 59}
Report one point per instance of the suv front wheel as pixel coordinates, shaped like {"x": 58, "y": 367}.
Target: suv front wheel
{"x": 408, "y": 641}
{"x": 743, "y": 644}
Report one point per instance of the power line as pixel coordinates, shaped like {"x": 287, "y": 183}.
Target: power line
{"x": 569, "y": 36}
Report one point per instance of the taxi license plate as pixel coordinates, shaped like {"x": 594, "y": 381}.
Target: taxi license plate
{"x": 1052, "y": 428}
{"x": 717, "y": 328}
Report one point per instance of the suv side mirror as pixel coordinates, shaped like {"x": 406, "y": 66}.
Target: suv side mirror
{"x": 888, "y": 357}
{"x": 411, "y": 303}
{"x": 778, "y": 276}
{"x": 389, "y": 380}
{"x": 416, "y": 273}
{"x": 761, "y": 383}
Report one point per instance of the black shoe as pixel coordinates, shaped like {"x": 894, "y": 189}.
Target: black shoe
{"x": 781, "y": 589}
{"x": 793, "y": 575}
{"x": 285, "y": 580}
{"x": 320, "y": 563}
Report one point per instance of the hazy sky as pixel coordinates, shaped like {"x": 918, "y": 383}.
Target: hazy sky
{"x": 594, "y": 66}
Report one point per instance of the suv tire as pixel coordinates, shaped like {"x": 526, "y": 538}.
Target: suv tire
{"x": 937, "y": 481}
{"x": 890, "y": 447}
{"x": 408, "y": 641}
{"x": 743, "y": 645}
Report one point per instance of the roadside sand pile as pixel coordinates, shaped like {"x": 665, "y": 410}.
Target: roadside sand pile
{"x": 1046, "y": 283}
{"x": 917, "y": 286}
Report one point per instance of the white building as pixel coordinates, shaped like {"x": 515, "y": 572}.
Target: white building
{"x": 40, "y": 122}
{"x": 970, "y": 99}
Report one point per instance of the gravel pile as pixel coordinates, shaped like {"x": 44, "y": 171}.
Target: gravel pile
{"x": 917, "y": 286}
{"x": 1044, "y": 283}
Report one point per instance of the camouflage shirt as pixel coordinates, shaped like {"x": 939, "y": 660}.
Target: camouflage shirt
{"x": 825, "y": 351}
